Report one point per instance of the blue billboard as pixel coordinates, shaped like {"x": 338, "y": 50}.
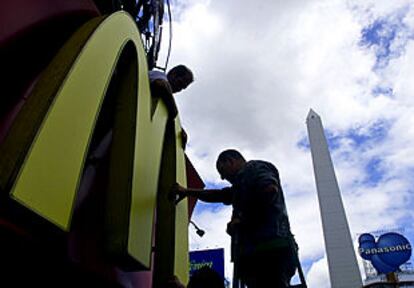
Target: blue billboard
{"x": 212, "y": 258}
{"x": 387, "y": 253}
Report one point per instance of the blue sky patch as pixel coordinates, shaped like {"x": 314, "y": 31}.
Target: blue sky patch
{"x": 381, "y": 34}
{"x": 304, "y": 143}
{"x": 212, "y": 207}
{"x": 374, "y": 172}
{"x": 334, "y": 139}
{"x": 365, "y": 139}
{"x": 388, "y": 36}
{"x": 211, "y": 185}
{"x": 387, "y": 91}
{"x": 361, "y": 139}
{"x": 375, "y": 133}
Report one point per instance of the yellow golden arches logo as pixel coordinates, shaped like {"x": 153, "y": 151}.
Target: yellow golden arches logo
{"x": 48, "y": 178}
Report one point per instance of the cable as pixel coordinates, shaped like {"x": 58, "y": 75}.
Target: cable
{"x": 199, "y": 231}
{"x": 170, "y": 40}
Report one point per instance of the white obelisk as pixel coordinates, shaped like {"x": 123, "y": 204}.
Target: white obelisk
{"x": 342, "y": 262}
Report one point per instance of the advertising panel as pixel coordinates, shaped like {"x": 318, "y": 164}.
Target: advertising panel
{"x": 384, "y": 252}
{"x": 212, "y": 258}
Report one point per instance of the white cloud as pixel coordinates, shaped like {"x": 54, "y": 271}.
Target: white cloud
{"x": 318, "y": 275}
{"x": 259, "y": 67}
{"x": 309, "y": 236}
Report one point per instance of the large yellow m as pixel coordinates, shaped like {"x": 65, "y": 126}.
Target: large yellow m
{"x": 44, "y": 155}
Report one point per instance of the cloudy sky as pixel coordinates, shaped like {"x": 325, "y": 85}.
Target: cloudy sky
{"x": 261, "y": 65}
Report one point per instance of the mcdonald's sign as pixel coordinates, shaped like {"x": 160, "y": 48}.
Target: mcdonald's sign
{"x": 95, "y": 88}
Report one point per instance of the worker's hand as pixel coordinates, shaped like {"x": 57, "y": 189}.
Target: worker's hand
{"x": 177, "y": 193}
{"x": 233, "y": 226}
{"x": 184, "y": 138}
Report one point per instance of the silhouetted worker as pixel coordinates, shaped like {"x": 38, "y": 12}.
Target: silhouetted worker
{"x": 164, "y": 85}
{"x": 178, "y": 78}
{"x": 262, "y": 244}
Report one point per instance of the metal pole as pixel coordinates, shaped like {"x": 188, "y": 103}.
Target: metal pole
{"x": 235, "y": 283}
{"x": 295, "y": 250}
{"x": 235, "y": 258}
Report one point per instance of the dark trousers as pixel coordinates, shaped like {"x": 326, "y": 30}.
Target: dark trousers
{"x": 267, "y": 269}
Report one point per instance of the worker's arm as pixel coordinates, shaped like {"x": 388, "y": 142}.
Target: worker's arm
{"x": 161, "y": 86}
{"x": 224, "y": 195}
{"x": 162, "y": 89}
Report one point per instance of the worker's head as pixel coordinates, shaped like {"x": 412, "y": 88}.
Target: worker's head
{"x": 229, "y": 163}
{"x": 179, "y": 78}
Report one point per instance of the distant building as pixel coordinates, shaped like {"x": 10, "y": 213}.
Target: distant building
{"x": 342, "y": 262}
